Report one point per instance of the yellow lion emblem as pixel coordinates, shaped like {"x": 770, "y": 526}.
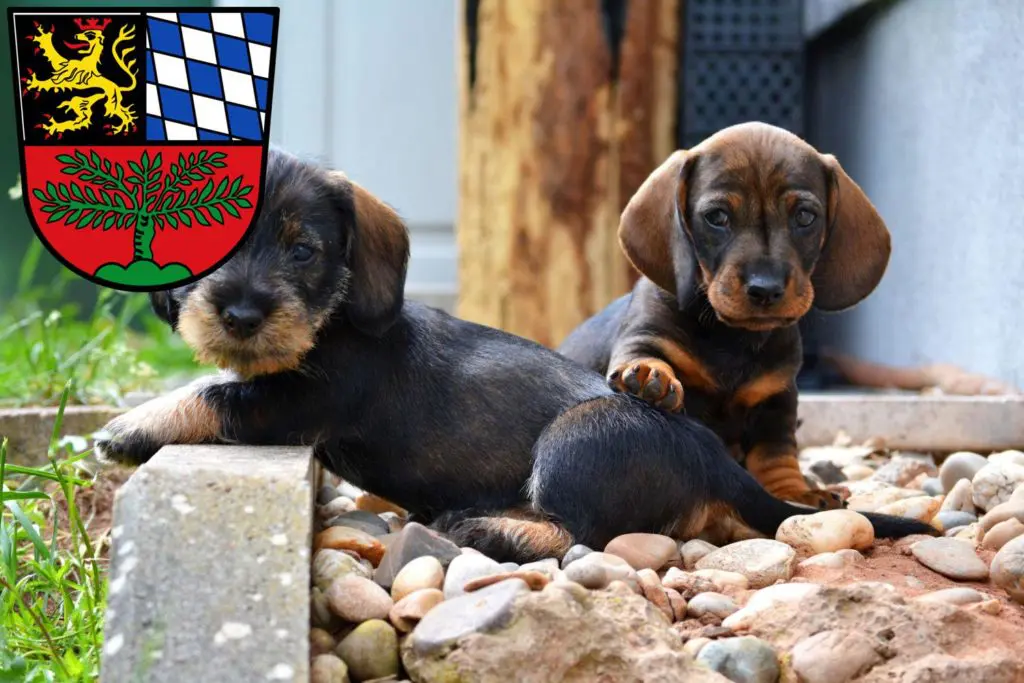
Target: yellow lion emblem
{"x": 83, "y": 74}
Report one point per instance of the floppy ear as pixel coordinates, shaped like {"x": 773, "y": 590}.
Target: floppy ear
{"x": 165, "y": 307}
{"x": 857, "y": 245}
{"x": 652, "y": 232}
{"x": 378, "y": 257}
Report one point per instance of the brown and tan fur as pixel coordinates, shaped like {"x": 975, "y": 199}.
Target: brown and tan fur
{"x": 736, "y": 239}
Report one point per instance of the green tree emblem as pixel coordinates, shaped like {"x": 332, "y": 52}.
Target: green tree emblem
{"x": 144, "y": 199}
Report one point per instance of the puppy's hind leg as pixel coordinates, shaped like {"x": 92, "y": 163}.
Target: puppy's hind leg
{"x": 613, "y": 465}
{"x": 521, "y": 535}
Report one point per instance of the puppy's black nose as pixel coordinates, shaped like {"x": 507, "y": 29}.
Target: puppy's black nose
{"x": 242, "y": 320}
{"x": 765, "y": 290}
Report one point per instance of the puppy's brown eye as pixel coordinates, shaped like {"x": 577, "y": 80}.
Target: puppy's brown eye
{"x": 805, "y": 218}
{"x": 717, "y": 218}
{"x": 302, "y": 253}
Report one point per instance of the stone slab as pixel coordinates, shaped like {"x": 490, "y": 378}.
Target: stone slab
{"x": 29, "y": 429}
{"x": 913, "y": 422}
{"x": 209, "y": 575}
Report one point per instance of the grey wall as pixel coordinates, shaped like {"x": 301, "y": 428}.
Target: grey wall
{"x": 924, "y": 107}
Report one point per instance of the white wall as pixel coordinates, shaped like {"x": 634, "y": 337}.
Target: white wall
{"x": 368, "y": 86}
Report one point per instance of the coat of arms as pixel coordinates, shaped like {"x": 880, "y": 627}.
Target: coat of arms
{"x": 143, "y": 136}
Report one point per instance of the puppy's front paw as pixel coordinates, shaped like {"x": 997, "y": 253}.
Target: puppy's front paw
{"x": 125, "y": 440}
{"x": 652, "y": 380}
{"x": 182, "y": 416}
{"x": 129, "y": 448}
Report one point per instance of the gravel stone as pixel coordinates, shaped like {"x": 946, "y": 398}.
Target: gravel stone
{"x": 356, "y": 599}
{"x": 484, "y": 610}
{"x": 1008, "y": 568}
{"x": 645, "y": 551}
{"x": 961, "y": 465}
{"x": 742, "y": 660}
{"x": 575, "y": 553}
{"x": 762, "y": 561}
{"x": 370, "y": 650}
{"x": 362, "y": 520}
{"x": 951, "y": 558}
{"x": 464, "y": 569}
{"x": 415, "y": 540}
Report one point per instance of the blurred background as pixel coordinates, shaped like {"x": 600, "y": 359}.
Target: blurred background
{"x": 511, "y": 133}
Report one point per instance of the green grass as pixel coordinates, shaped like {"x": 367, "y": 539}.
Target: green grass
{"x": 109, "y": 350}
{"x": 53, "y": 562}
{"x": 52, "y": 574}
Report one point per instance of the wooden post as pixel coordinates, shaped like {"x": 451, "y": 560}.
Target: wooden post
{"x": 565, "y": 108}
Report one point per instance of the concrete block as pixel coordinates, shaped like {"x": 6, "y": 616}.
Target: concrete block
{"x": 29, "y": 429}
{"x": 912, "y": 422}
{"x": 209, "y": 575}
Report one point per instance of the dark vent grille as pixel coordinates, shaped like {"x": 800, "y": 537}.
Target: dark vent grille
{"x": 744, "y": 24}
{"x": 743, "y": 60}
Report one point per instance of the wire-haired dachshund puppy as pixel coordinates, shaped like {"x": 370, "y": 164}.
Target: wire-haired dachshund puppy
{"x": 736, "y": 238}
{"x": 505, "y": 445}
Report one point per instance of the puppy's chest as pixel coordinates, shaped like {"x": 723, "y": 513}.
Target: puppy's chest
{"x": 736, "y": 387}
{"x": 736, "y": 393}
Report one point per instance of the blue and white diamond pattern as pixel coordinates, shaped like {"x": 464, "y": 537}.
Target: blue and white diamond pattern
{"x": 208, "y": 75}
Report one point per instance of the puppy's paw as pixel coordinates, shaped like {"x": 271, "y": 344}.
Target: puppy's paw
{"x": 130, "y": 449}
{"x": 182, "y": 416}
{"x": 125, "y": 441}
{"x": 652, "y": 380}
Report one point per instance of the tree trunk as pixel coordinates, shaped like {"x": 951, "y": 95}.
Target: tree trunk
{"x": 145, "y": 231}
{"x": 560, "y": 123}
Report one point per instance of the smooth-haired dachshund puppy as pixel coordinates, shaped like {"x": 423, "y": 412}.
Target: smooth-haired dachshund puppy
{"x": 503, "y": 444}
{"x": 736, "y": 239}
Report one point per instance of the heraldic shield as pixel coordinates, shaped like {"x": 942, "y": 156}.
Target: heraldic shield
{"x": 143, "y": 136}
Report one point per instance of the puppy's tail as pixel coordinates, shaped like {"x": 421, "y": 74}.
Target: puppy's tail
{"x": 506, "y": 535}
{"x": 765, "y": 513}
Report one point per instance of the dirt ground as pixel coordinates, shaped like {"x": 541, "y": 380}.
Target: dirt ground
{"x": 95, "y": 507}
{"x": 891, "y": 562}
